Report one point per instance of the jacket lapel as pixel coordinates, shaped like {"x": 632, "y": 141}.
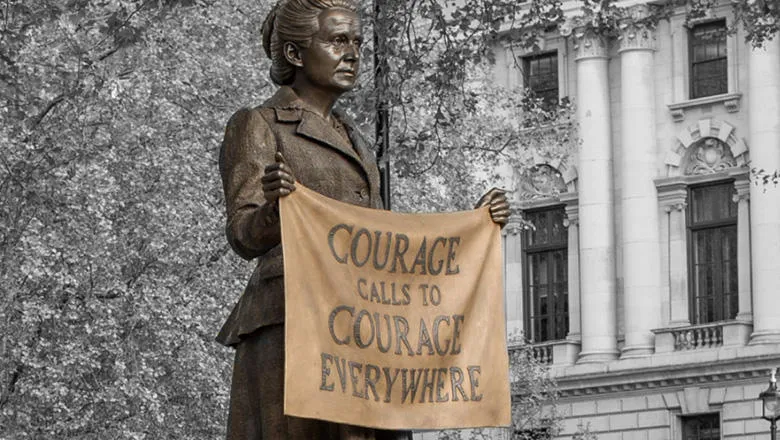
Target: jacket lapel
{"x": 316, "y": 128}
{"x": 290, "y": 108}
{"x": 368, "y": 160}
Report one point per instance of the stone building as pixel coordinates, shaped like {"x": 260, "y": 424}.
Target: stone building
{"x": 650, "y": 281}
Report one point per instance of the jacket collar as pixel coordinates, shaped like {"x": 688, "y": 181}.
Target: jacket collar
{"x": 290, "y": 108}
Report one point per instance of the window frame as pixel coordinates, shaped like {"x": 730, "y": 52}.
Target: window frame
{"x": 562, "y": 303}
{"x": 692, "y": 63}
{"x": 693, "y": 227}
{"x": 683, "y": 418}
{"x": 526, "y": 61}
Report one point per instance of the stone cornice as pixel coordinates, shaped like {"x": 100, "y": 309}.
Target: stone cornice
{"x": 672, "y": 193}
{"x": 663, "y": 377}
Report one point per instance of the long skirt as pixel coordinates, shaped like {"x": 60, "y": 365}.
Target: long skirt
{"x": 257, "y": 398}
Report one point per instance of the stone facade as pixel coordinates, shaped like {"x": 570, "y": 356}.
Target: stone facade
{"x": 639, "y": 360}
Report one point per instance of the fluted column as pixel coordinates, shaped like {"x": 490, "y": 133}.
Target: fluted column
{"x": 672, "y": 198}
{"x": 572, "y": 222}
{"x": 764, "y": 122}
{"x": 742, "y": 199}
{"x": 596, "y": 202}
{"x": 513, "y": 277}
{"x": 641, "y": 250}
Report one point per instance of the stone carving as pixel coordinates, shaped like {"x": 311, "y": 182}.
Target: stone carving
{"x": 541, "y": 181}
{"x": 708, "y": 156}
{"x": 587, "y": 44}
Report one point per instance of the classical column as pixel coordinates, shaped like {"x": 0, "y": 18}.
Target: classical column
{"x": 572, "y": 222}
{"x": 742, "y": 199}
{"x": 641, "y": 250}
{"x": 596, "y": 202}
{"x": 513, "y": 277}
{"x": 764, "y": 122}
{"x": 672, "y": 198}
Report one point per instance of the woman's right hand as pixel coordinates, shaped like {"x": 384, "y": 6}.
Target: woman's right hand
{"x": 278, "y": 180}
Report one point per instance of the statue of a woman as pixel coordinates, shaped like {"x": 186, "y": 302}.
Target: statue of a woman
{"x": 294, "y": 136}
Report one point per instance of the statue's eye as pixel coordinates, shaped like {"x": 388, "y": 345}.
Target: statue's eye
{"x": 357, "y": 42}
{"x": 340, "y": 40}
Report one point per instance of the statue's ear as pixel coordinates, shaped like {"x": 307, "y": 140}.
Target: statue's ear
{"x": 293, "y": 54}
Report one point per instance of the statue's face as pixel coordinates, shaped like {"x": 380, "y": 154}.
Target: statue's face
{"x": 332, "y": 61}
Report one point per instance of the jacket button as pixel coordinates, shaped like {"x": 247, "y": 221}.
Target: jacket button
{"x": 363, "y": 193}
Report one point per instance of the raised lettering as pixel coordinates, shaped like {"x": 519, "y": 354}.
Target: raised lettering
{"x": 331, "y": 235}
{"x": 357, "y": 329}
{"x": 453, "y": 243}
{"x": 436, "y": 323}
{"x": 356, "y": 244}
{"x": 332, "y": 321}
{"x": 474, "y": 372}
{"x": 326, "y": 372}
{"x": 419, "y": 259}
{"x": 371, "y": 380}
{"x": 398, "y": 255}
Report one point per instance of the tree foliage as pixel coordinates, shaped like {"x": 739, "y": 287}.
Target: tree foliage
{"x": 114, "y": 272}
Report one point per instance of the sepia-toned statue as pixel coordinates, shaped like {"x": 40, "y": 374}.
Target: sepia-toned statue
{"x": 294, "y": 136}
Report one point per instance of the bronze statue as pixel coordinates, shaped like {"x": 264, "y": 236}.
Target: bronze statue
{"x": 295, "y": 136}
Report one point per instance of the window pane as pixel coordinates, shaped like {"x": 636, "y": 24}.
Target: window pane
{"x": 701, "y": 427}
{"x": 547, "y": 279}
{"x": 557, "y": 231}
{"x": 541, "y": 76}
{"x": 713, "y": 259}
{"x": 713, "y": 202}
{"x": 728, "y": 270}
{"x": 709, "y": 69}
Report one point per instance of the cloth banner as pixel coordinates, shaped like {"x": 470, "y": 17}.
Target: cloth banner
{"x": 393, "y": 320}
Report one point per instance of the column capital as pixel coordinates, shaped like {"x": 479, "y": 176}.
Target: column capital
{"x": 636, "y": 36}
{"x": 742, "y": 188}
{"x": 589, "y": 44}
{"x": 516, "y": 223}
{"x": 673, "y": 199}
{"x": 512, "y": 228}
{"x": 572, "y": 209}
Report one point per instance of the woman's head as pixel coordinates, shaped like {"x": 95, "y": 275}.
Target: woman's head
{"x": 294, "y": 21}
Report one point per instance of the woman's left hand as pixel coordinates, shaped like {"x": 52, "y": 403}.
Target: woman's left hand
{"x": 499, "y": 205}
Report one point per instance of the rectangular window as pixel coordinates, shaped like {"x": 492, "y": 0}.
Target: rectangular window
{"x": 540, "y": 76}
{"x": 712, "y": 225}
{"x": 701, "y": 427}
{"x": 546, "y": 279}
{"x": 708, "y": 59}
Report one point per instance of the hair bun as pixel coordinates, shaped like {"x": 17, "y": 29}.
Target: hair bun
{"x": 268, "y": 30}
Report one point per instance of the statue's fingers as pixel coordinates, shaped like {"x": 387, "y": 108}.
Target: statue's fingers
{"x": 500, "y": 212}
{"x": 499, "y": 204}
{"x": 500, "y": 216}
{"x": 277, "y": 174}
{"x": 277, "y": 184}
{"x": 278, "y": 157}
{"x": 496, "y": 192}
{"x": 275, "y": 194}
{"x": 286, "y": 169}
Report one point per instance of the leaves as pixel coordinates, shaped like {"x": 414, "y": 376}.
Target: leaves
{"x": 115, "y": 273}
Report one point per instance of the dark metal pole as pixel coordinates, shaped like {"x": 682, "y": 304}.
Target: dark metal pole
{"x": 773, "y": 430}
{"x": 382, "y": 113}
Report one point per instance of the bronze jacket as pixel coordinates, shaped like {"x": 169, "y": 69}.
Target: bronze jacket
{"x": 321, "y": 159}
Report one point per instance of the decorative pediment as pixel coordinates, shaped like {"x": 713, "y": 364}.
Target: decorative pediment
{"x": 708, "y": 146}
{"x": 709, "y": 155}
{"x": 541, "y": 181}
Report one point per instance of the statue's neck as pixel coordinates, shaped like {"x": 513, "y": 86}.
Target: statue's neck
{"x": 317, "y": 99}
